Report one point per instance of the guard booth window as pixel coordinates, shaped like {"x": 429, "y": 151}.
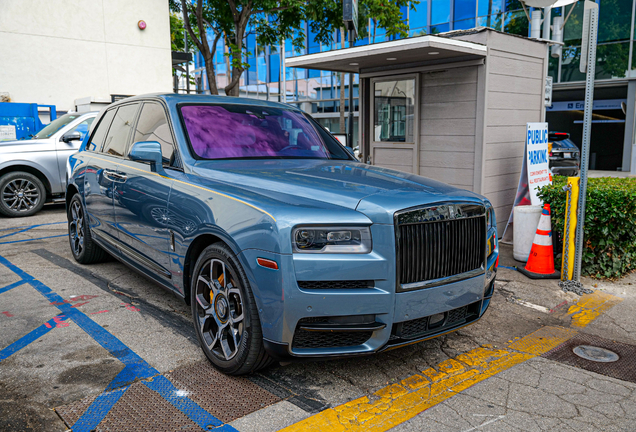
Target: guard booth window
{"x": 394, "y": 107}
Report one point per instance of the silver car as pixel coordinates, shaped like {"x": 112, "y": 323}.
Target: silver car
{"x": 33, "y": 171}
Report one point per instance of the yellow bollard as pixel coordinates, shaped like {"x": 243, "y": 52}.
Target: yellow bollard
{"x": 567, "y": 260}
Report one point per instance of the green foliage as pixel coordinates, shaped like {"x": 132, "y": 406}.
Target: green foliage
{"x": 610, "y": 224}
{"x": 273, "y": 21}
{"x": 177, "y": 30}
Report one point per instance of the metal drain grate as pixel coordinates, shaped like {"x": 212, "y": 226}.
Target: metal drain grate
{"x": 623, "y": 369}
{"x": 142, "y": 408}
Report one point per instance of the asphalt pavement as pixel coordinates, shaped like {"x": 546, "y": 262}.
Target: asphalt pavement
{"x": 100, "y": 347}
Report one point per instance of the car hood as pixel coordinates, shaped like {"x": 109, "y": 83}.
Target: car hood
{"x": 25, "y": 146}
{"x": 374, "y": 191}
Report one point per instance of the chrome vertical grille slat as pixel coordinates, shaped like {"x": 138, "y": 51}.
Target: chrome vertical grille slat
{"x": 441, "y": 242}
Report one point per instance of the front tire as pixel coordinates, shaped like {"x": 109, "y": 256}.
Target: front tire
{"x": 84, "y": 249}
{"x": 21, "y": 194}
{"x": 225, "y": 314}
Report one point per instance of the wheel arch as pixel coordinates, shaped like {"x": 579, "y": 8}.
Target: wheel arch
{"x": 31, "y": 170}
{"x": 194, "y": 250}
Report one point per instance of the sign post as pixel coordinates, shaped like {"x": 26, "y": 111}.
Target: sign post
{"x": 587, "y": 66}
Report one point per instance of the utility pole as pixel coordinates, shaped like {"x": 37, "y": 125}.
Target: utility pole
{"x": 350, "y": 133}
{"x": 185, "y": 42}
{"x": 587, "y": 65}
{"x": 283, "y": 90}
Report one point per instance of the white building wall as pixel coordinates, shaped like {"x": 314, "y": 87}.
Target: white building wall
{"x": 56, "y": 51}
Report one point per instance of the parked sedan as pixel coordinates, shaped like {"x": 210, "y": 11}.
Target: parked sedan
{"x": 565, "y": 156}
{"x": 284, "y": 245}
{"x": 33, "y": 171}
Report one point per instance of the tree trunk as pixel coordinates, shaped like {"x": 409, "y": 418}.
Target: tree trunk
{"x": 210, "y": 74}
{"x": 342, "y": 88}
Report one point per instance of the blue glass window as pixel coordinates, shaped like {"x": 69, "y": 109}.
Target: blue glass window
{"x": 488, "y": 7}
{"x": 418, "y": 17}
{"x": 464, "y": 9}
{"x": 440, "y": 12}
{"x": 464, "y": 24}
{"x": 440, "y": 28}
{"x": 313, "y": 46}
{"x": 274, "y": 68}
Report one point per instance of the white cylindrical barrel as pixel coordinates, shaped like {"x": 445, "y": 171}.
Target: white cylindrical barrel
{"x": 535, "y": 25}
{"x": 525, "y": 222}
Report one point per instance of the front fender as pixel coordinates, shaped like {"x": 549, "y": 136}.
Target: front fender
{"x": 53, "y": 181}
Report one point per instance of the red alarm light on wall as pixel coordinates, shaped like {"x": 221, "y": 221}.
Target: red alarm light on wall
{"x": 141, "y": 24}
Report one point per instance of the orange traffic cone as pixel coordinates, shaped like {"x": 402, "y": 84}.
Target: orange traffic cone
{"x": 540, "y": 264}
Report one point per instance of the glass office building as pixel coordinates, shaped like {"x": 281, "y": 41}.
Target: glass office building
{"x": 318, "y": 92}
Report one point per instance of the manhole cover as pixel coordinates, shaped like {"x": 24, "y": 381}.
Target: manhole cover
{"x": 595, "y": 354}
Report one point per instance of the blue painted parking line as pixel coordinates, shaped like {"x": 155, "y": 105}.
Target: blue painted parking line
{"x": 194, "y": 412}
{"x": 135, "y": 367}
{"x": 33, "y": 239}
{"x": 11, "y": 286}
{"x": 31, "y": 337}
{"x": 28, "y": 227}
{"x": 506, "y": 267}
{"x": 96, "y": 412}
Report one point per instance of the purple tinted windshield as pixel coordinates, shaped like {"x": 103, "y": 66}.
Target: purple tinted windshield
{"x": 242, "y": 131}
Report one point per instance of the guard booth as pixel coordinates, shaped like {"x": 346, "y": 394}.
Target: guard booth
{"x": 452, "y": 107}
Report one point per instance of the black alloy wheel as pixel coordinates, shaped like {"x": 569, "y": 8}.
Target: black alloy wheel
{"x": 225, "y": 313}
{"x": 23, "y": 194}
{"x": 84, "y": 249}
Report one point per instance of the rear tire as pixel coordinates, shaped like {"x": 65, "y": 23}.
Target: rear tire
{"x": 225, "y": 314}
{"x": 83, "y": 247}
{"x": 21, "y": 194}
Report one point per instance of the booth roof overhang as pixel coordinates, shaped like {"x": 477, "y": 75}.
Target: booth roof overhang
{"x": 397, "y": 54}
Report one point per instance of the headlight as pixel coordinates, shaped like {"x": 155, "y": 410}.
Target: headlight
{"x": 332, "y": 240}
{"x": 490, "y": 216}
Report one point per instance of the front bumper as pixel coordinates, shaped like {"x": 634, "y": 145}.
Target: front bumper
{"x": 284, "y": 306}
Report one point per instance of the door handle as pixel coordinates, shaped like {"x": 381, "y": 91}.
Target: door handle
{"x": 115, "y": 176}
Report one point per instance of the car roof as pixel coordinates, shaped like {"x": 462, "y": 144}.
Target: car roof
{"x": 174, "y": 99}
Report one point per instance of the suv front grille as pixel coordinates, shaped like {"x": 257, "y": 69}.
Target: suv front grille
{"x": 451, "y": 244}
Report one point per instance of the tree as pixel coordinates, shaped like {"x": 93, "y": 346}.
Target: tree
{"x": 273, "y": 21}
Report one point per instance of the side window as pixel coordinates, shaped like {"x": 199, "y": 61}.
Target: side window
{"x": 102, "y": 129}
{"x": 83, "y": 127}
{"x": 153, "y": 126}
{"x": 119, "y": 132}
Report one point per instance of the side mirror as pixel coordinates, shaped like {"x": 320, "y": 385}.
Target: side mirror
{"x": 351, "y": 152}
{"x": 72, "y": 136}
{"x": 149, "y": 152}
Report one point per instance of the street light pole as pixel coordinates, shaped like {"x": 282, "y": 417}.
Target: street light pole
{"x": 350, "y": 128}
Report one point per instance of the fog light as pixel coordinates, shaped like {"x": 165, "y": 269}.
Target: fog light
{"x": 436, "y": 320}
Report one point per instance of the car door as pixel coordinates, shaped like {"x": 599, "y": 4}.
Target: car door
{"x": 141, "y": 195}
{"x": 65, "y": 149}
{"x": 100, "y": 186}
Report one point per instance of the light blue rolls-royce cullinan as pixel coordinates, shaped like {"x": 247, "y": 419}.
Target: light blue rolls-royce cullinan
{"x": 285, "y": 246}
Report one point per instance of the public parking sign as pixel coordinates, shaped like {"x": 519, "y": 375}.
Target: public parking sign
{"x": 537, "y": 159}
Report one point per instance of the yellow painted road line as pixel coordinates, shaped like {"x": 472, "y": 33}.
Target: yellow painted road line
{"x": 398, "y": 403}
{"x": 591, "y": 306}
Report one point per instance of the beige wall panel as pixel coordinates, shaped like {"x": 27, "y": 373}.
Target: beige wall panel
{"x": 503, "y": 198}
{"x": 456, "y": 110}
{"x": 436, "y": 159}
{"x": 448, "y": 127}
{"x": 455, "y": 93}
{"x": 402, "y": 168}
{"x": 496, "y": 53}
{"x": 450, "y": 143}
{"x": 511, "y": 84}
{"x": 527, "y": 47}
{"x": 504, "y": 134}
{"x": 70, "y": 19}
{"x": 456, "y": 176}
{"x": 40, "y": 75}
{"x": 121, "y": 28}
{"x": 152, "y": 68}
{"x": 450, "y": 77}
{"x": 514, "y": 67}
{"x": 392, "y": 156}
{"x": 503, "y": 166}
{"x": 505, "y": 150}
{"x": 503, "y": 100}
{"x": 497, "y": 117}
{"x": 501, "y": 182}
